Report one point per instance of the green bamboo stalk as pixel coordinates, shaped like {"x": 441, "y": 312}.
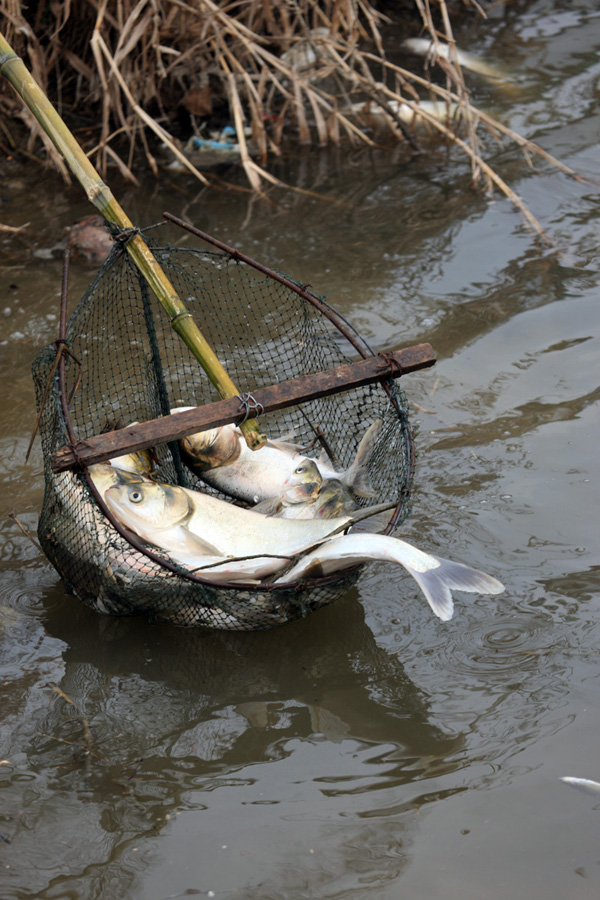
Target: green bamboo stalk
{"x": 182, "y": 322}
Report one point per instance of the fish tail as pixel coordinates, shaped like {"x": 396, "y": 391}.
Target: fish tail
{"x": 436, "y": 577}
{"x": 438, "y": 582}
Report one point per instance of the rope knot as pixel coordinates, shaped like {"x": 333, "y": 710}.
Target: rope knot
{"x": 396, "y": 368}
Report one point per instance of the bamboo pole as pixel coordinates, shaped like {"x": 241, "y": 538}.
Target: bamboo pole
{"x": 182, "y": 322}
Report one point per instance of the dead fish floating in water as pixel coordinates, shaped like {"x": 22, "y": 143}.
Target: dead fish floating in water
{"x": 198, "y": 530}
{"x": 410, "y": 113}
{"x": 583, "y": 784}
{"x": 426, "y": 47}
{"x": 90, "y": 240}
{"x": 221, "y": 458}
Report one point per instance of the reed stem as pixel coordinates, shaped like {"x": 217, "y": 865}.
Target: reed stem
{"x": 182, "y": 322}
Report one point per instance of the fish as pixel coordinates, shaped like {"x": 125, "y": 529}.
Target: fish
{"x": 198, "y": 530}
{"x": 79, "y": 527}
{"x": 307, "y": 495}
{"x": 426, "y": 47}
{"x": 299, "y": 495}
{"x": 410, "y": 113}
{"x": 105, "y": 476}
{"x": 222, "y": 459}
{"x": 584, "y": 784}
{"x": 141, "y": 462}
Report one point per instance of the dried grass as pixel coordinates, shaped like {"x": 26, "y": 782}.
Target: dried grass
{"x": 273, "y": 67}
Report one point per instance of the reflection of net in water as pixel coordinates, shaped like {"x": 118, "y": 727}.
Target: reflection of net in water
{"x": 135, "y": 368}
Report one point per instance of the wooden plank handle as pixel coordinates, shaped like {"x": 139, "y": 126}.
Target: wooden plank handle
{"x": 277, "y": 396}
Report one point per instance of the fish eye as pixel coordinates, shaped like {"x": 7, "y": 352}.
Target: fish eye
{"x": 136, "y": 496}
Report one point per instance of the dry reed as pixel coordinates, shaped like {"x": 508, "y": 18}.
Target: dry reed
{"x": 313, "y": 68}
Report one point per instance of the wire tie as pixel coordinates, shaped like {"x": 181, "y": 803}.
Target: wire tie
{"x": 123, "y": 237}
{"x": 250, "y": 404}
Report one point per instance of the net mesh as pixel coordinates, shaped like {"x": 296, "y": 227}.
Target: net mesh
{"x": 133, "y": 367}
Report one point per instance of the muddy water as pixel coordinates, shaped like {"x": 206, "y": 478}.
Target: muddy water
{"x": 368, "y": 751}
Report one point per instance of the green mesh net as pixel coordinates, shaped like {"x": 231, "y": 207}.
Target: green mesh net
{"x": 133, "y": 367}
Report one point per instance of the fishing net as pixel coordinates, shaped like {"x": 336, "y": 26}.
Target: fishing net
{"x": 125, "y": 364}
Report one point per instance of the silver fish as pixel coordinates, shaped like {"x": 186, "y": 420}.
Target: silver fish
{"x": 180, "y": 521}
{"x": 307, "y": 496}
{"x": 221, "y": 458}
{"x": 199, "y": 530}
{"x": 425, "y": 47}
{"x": 584, "y": 784}
{"x": 412, "y": 115}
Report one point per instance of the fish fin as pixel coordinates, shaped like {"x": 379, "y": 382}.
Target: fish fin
{"x": 284, "y": 446}
{"x": 193, "y": 545}
{"x": 360, "y": 484}
{"x": 268, "y": 507}
{"x": 356, "y": 478}
{"x": 367, "y": 443}
{"x": 438, "y": 581}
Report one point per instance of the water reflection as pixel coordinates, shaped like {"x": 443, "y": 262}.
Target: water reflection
{"x": 175, "y": 716}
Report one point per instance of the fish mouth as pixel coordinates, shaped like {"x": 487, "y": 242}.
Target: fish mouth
{"x": 213, "y": 448}
{"x": 298, "y": 493}
{"x": 126, "y": 476}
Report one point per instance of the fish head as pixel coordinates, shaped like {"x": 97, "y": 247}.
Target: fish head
{"x": 214, "y": 447}
{"x": 304, "y": 482}
{"x": 146, "y": 506}
{"x": 104, "y": 476}
{"x": 333, "y": 500}
{"x": 140, "y": 462}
